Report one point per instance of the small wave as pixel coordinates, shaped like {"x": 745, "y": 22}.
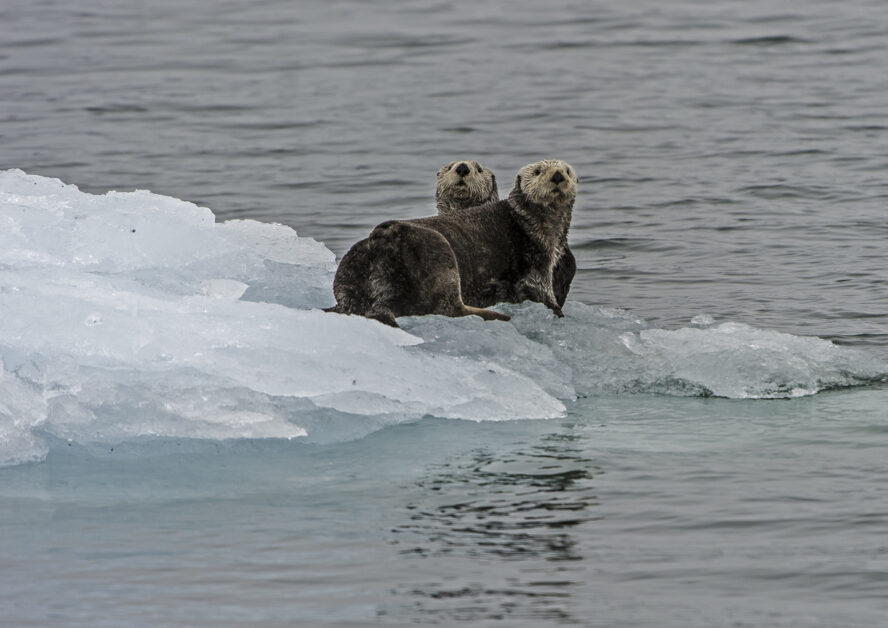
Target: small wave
{"x": 781, "y": 191}
{"x": 120, "y": 108}
{"x": 402, "y": 41}
{"x": 770, "y": 40}
{"x": 614, "y": 243}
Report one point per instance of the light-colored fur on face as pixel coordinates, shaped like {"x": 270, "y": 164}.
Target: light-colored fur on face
{"x": 459, "y": 191}
{"x": 538, "y": 182}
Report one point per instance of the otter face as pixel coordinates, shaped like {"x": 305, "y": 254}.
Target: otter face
{"x": 548, "y": 182}
{"x": 464, "y": 184}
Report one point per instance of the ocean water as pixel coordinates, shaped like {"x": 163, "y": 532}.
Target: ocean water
{"x": 187, "y": 440}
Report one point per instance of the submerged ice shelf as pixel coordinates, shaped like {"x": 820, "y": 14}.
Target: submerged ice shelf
{"x": 134, "y": 315}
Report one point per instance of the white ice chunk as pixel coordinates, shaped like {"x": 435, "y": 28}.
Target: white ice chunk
{"x": 612, "y": 351}
{"x": 22, "y": 409}
{"x": 739, "y": 361}
{"x": 223, "y": 288}
{"x": 132, "y": 315}
{"x": 703, "y": 320}
{"x": 277, "y": 243}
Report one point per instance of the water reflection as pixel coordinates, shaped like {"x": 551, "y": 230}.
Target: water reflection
{"x": 493, "y": 534}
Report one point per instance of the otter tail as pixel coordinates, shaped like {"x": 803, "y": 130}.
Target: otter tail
{"x": 488, "y": 315}
{"x": 382, "y": 314}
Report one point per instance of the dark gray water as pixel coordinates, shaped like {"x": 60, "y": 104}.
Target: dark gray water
{"x": 732, "y": 160}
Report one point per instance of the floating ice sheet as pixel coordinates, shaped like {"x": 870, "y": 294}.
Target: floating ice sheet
{"x": 136, "y": 316}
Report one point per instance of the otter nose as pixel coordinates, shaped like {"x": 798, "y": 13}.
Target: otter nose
{"x": 462, "y": 170}
{"x": 557, "y": 177}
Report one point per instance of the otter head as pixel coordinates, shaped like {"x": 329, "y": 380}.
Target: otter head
{"x": 550, "y": 182}
{"x": 463, "y": 184}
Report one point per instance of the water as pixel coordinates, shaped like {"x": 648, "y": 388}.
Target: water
{"x": 732, "y": 160}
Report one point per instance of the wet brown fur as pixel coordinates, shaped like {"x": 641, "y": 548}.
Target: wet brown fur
{"x": 473, "y": 184}
{"x": 462, "y": 184}
{"x": 466, "y": 260}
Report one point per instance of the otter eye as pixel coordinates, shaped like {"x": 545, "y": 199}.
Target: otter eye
{"x": 537, "y": 171}
{"x": 480, "y": 169}
{"x": 569, "y": 173}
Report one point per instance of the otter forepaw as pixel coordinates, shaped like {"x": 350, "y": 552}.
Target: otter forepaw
{"x": 555, "y": 310}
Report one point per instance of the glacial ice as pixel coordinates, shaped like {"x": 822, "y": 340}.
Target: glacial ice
{"x": 129, "y": 316}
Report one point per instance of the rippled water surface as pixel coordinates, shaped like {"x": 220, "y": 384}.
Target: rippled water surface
{"x": 732, "y": 160}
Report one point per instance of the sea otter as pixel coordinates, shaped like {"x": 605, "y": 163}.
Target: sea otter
{"x": 464, "y": 184}
{"x": 461, "y": 262}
